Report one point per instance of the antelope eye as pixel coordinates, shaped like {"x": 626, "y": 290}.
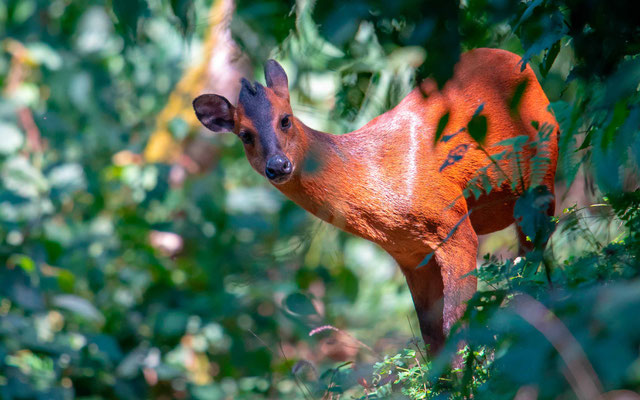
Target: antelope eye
{"x": 285, "y": 122}
{"x": 246, "y": 137}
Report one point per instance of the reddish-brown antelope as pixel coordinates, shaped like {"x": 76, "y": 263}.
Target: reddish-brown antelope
{"x": 391, "y": 182}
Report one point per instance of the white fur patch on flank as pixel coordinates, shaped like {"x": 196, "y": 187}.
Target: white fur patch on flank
{"x": 412, "y": 162}
{"x": 379, "y": 180}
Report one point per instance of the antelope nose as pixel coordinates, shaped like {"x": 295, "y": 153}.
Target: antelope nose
{"x": 278, "y": 166}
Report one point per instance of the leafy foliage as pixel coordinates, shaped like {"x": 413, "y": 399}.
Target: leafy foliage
{"x": 118, "y": 280}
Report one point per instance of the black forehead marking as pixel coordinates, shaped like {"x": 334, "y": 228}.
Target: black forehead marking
{"x": 259, "y": 110}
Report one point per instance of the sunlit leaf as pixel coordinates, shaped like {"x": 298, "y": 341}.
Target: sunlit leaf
{"x": 12, "y": 139}
{"x": 23, "y": 178}
{"x": 79, "y": 306}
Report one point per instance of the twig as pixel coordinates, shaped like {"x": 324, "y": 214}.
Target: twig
{"x": 579, "y": 372}
{"x": 333, "y": 328}
{"x": 15, "y": 77}
{"x": 301, "y": 385}
{"x": 424, "y": 357}
{"x": 34, "y": 139}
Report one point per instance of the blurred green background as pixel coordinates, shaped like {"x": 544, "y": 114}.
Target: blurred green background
{"x": 143, "y": 258}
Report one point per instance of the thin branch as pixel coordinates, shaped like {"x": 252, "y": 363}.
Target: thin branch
{"x": 34, "y": 139}
{"x": 579, "y": 372}
{"x": 15, "y": 77}
{"x": 424, "y": 357}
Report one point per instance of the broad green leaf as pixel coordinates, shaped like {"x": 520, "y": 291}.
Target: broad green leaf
{"x": 24, "y": 262}
{"x": 531, "y": 214}
{"x": 12, "y": 138}
{"x": 19, "y": 176}
{"x": 477, "y": 128}
{"x": 300, "y": 304}
{"x": 79, "y": 306}
{"x": 549, "y": 58}
{"x": 514, "y": 105}
{"x": 442, "y": 124}
{"x": 67, "y": 176}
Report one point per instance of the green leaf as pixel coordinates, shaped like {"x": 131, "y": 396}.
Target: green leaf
{"x": 348, "y": 282}
{"x": 171, "y": 323}
{"x": 12, "y": 138}
{"x": 442, "y": 124}
{"x": 618, "y": 117}
{"x": 45, "y": 55}
{"x": 528, "y": 12}
{"x": 183, "y": 10}
{"x": 19, "y": 176}
{"x": 569, "y": 162}
{"x": 624, "y": 82}
{"x": 516, "y": 143}
{"x": 541, "y": 34}
{"x": 300, "y": 304}
{"x": 531, "y": 214}
{"x": 517, "y": 96}
{"x": 79, "y": 306}
{"x": 126, "y": 14}
{"x": 549, "y": 58}
{"x": 67, "y": 177}
{"x": 426, "y": 259}
{"x": 179, "y": 128}
{"x": 486, "y": 182}
{"x": 474, "y": 187}
{"x": 478, "y": 128}
{"x": 66, "y": 280}
{"x": 24, "y": 262}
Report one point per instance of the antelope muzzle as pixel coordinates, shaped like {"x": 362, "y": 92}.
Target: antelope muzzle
{"x": 278, "y": 168}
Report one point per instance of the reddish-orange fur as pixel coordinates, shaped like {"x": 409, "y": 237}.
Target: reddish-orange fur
{"x": 384, "y": 182}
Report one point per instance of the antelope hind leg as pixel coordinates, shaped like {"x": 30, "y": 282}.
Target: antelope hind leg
{"x": 438, "y": 289}
{"x": 456, "y": 257}
{"x": 425, "y": 284}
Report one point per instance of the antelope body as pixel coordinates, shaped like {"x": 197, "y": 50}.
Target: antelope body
{"x": 390, "y": 182}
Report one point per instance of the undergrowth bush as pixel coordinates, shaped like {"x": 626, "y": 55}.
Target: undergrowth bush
{"x": 117, "y": 282}
{"x": 570, "y": 331}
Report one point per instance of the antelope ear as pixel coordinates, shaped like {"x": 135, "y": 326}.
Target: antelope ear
{"x": 276, "y": 78}
{"x": 215, "y": 112}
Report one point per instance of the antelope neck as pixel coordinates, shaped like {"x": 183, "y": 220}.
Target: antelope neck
{"x": 333, "y": 183}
